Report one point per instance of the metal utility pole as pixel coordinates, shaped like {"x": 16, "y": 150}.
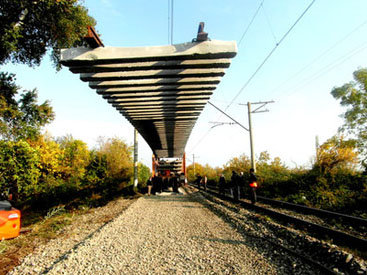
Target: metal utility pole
{"x": 135, "y": 158}
{"x": 249, "y": 111}
{"x": 257, "y": 110}
{"x": 253, "y": 163}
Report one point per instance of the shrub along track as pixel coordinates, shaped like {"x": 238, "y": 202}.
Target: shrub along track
{"x": 311, "y": 250}
{"x": 73, "y": 229}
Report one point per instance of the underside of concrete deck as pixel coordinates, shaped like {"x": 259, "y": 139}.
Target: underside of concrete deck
{"x": 161, "y": 90}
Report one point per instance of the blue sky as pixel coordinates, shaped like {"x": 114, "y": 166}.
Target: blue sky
{"x": 321, "y": 52}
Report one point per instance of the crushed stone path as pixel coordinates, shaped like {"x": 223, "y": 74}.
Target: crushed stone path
{"x": 173, "y": 234}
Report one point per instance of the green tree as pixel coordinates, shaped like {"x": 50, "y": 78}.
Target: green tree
{"x": 19, "y": 171}
{"x": 119, "y": 158}
{"x": 75, "y": 158}
{"x": 353, "y": 96}
{"x": 21, "y": 118}
{"x": 29, "y": 28}
{"x": 143, "y": 173}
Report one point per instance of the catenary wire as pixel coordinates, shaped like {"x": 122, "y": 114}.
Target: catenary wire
{"x": 320, "y": 56}
{"x": 269, "y": 24}
{"x": 249, "y": 25}
{"x": 269, "y": 55}
{"x": 327, "y": 69}
{"x": 260, "y": 66}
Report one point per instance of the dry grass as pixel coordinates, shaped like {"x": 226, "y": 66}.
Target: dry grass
{"x": 36, "y": 230}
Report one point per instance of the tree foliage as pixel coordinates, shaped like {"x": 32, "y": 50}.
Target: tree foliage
{"x": 353, "y": 96}
{"x": 21, "y": 118}
{"x": 75, "y": 157}
{"x": 29, "y": 28}
{"x": 19, "y": 171}
{"x": 143, "y": 173}
{"x": 336, "y": 154}
{"x": 118, "y": 156}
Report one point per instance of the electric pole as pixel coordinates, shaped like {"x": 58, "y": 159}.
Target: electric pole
{"x": 317, "y": 144}
{"x": 135, "y": 158}
{"x": 249, "y": 111}
{"x": 253, "y": 163}
{"x": 257, "y": 110}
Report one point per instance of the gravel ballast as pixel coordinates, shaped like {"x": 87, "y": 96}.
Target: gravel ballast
{"x": 194, "y": 233}
{"x": 159, "y": 234}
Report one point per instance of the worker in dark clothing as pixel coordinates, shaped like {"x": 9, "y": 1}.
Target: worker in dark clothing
{"x": 242, "y": 185}
{"x": 235, "y": 185}
{"x": 222, "y": 185}
{"x": 175, "y": 183}
{"x": 198, "y": 181}
{"x": 157, "y": 183}
{"x": 182, "y": 180}
{"x": 253, "y": 185}
{"x": 204, "y": 181}
{"x": 150, "y": 185}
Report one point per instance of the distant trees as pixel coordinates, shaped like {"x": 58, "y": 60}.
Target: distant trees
{"x": 52, "y": 169}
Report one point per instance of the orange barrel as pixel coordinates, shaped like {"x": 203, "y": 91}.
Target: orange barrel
{"x": 9, "y": 221}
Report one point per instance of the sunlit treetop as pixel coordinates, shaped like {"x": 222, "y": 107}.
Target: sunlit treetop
{"x": 29, "y": 28}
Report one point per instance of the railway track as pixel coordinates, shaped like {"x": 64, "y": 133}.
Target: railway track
{"x": 337, "y": 237}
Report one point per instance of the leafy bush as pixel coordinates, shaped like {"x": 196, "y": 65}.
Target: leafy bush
{"x": 19, "y": 171}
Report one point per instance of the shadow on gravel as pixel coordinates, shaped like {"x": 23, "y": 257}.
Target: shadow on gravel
{"x": 232, "y": 242}
{"x": 172, "y": 198}
{"x": 255, "y": 238}
{"x": 187, "y": 206}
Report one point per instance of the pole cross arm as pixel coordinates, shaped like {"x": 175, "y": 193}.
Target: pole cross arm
{"x": 263, "y": 103}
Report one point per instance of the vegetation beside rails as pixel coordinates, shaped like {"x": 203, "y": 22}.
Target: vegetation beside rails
{"x": 40, "y": 225}
{"x": 334, "y": 182}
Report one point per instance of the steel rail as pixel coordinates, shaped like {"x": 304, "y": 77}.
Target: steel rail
{"x": 318, "y": 212}
{"x": 338, "y": 237}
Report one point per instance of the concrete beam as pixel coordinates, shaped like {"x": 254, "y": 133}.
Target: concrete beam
{"x": 159, "y": 74}
{"x": 155, "y": 82}
{"x": 206, "y": 49}
{"x": 157, "y": 94}
{"x": 147, "y": 89}
{"x": 159, "y": 65}
{"x": 160, "y": 98}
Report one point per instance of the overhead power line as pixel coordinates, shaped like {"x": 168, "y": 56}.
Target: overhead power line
{"x": 249, "y": 25}
{"x": 345, "y": 37}
{"x": 266, "y": 58}
{"x": 269, "y": 24}
{"x": 270, "y": 54}
{"x": 334, "y": 64}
